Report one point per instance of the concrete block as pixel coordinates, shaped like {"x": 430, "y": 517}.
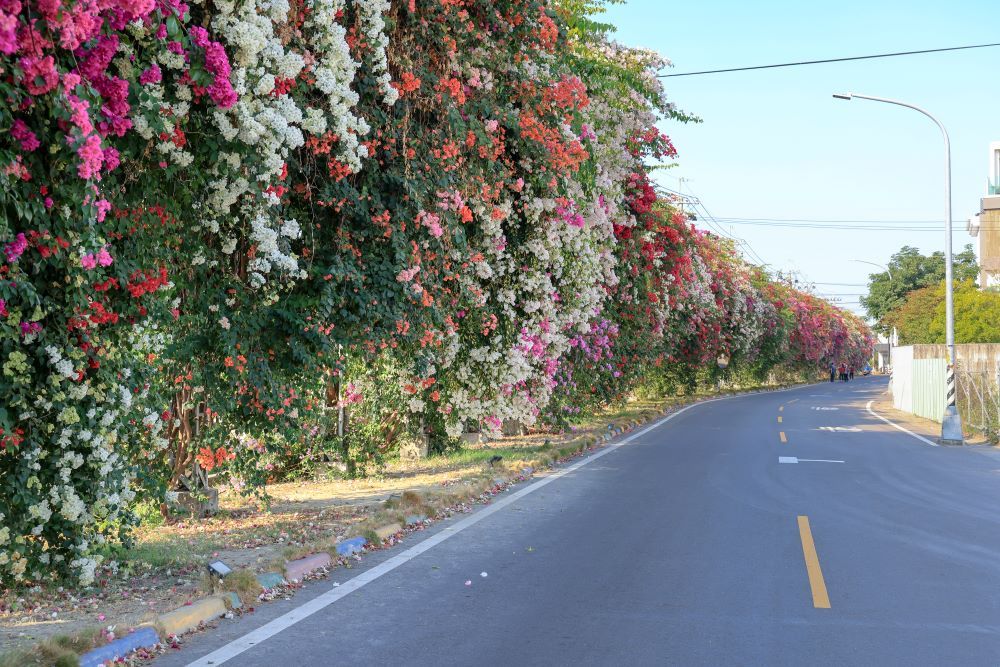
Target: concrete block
{"x": 186, "y": 618}
{"x": 234, "y": 600}
{"x": 387, "y": 531}
{"x": 414, "y": 519}
{"x": 350, "y": 546}
{"x": 271, "y": 579}
{"x": 119, "y": 648}
{"x": 295, "y": 570}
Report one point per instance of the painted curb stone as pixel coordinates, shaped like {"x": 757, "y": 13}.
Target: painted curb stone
{"x": 351, "y": 546}
{"x": 188, "y": 617}
{"x": 296, "y": 569}
{"x": 270, "y": 579}
{"x": 119, "y": 648}
{"x": 387, "y": 531}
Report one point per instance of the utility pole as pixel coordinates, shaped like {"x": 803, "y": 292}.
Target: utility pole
{"x": 951, "y": 423}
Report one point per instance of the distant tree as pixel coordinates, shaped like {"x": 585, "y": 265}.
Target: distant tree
{"x": 921, "y": 318}
{"x": 914, "y": 317}
{"x": 910, "y": 271}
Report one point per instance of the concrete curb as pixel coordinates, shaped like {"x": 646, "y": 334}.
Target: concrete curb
{"x": 188, "y": 617}
{"x": 269, "y": 580}
{"x": 385, "y": 532}
{"x": 414, "y": 519}
{"x": 351, "y": 546}
{"x": 142, "y": 638}
{"x": 295, "y": 570}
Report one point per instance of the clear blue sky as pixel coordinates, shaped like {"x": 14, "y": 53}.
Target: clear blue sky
{"x": 775, "y": 144}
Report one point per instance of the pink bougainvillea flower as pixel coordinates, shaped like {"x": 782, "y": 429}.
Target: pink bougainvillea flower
{"x": 199, "y": 36}
{"x": 79, "y": 115}
{"x": 151, "y": 75}
{"x": 40, "y": 74}
{"x": 30, "y": 328}
{"x": 88, "y": 261}
{"x": 111, "y": 158}
{"x": 8, "y": 32}
{"x": 15, "y": 248}
{"x": 91, "y": 158}
{"x": 104, "y": 258}
{"x": 24, "y": 136}
{"x": 103, "y": 206}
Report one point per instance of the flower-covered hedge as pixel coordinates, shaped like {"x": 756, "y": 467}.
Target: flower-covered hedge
{"x": 243, "y": 234}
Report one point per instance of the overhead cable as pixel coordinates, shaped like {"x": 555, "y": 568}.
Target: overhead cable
{"x": 830, "y": 60}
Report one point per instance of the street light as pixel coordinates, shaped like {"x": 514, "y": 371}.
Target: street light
{"x": 881, "y": 266}
{"x": 951, "y": 425}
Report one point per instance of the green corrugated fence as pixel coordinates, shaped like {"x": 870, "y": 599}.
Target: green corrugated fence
{"x": 929, "y": 388}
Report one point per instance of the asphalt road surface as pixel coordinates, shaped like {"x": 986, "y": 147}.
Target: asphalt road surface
{"x": 690, "y": 544}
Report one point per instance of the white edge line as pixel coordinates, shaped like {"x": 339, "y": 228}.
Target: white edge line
{"x": 255, "y": 637}
{"x": 898, "y": 427}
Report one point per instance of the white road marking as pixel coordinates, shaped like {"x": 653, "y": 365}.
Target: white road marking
{"x": 848, "y": 429}
{"x": 900, "y": 428}
{"x": 320, "y": 602}
{"x": 823, "y": 408}
{"x": 795, "y": 459}
{"x": 787, "y": 459}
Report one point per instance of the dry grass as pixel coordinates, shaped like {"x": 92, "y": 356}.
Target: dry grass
{"x": 57, "y": 651}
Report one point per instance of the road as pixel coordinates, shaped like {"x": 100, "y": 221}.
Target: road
{"x": 691, "y": 544}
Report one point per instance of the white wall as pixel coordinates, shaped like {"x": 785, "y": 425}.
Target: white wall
{"x": 902, "y": 378}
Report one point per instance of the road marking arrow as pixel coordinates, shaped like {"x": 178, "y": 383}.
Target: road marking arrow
{"x": 795, "y": 459}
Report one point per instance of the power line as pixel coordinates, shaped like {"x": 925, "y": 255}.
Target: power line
{"x": 812, "y": 225}
{"x": 835, "y": 221}
{"x": 746, "y": 245}
{"x": 816, "y": 282}
{"x": 830, "y": 60}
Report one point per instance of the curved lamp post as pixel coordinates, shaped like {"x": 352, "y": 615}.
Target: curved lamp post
{"x": 881, "y": 266}
{"x": 951, "y": 425}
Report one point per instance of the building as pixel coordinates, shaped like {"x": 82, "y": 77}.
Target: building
{"x": 986, "y": 225}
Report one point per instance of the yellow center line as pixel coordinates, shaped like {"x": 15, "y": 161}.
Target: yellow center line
{"x": 782, "y": 435}
{"x": 820, "y": 598}
{"x": 779, "y": 419}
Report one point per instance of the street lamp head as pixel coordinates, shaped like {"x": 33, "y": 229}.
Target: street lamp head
{"x": 844, "y": 96}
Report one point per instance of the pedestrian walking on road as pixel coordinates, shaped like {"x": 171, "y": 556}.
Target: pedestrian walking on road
{"x": 833, "y": 371}
{"x": 851, "y": 373}
{"x": 843, "y": 371}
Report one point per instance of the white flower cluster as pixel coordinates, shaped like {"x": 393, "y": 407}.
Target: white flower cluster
{"x": 550, "y": 287}
{"x": 335, "y": 71}
{"x": 371, "y": 12}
